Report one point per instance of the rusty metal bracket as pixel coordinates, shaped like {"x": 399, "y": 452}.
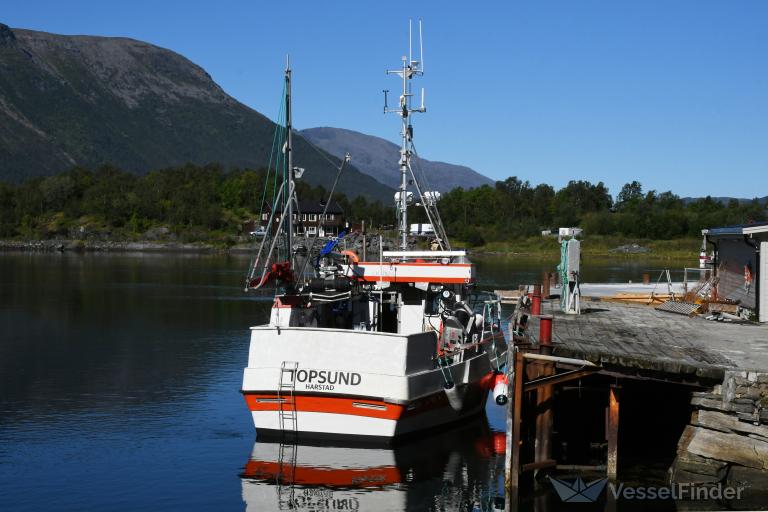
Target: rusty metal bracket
{"x": 586, "y": 368}
{"x": 558, "y": 378}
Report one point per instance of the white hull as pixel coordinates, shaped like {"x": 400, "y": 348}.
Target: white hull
{"x": 360, "y": 384}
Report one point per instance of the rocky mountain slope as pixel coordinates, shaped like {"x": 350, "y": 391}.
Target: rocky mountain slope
{"x": 85, "y": 100}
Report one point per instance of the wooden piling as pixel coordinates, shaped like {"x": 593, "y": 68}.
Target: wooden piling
{"x": 612, "y": 432}
{"x": 514, "y": 421}
{"x": 544, "y": 416}
{"x": 545, "y": 284}
{"x": 543, "y": 447}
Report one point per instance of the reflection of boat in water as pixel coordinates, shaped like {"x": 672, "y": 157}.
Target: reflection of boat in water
{"x": 455, "y": 469}
{"x": 369, "y": 349}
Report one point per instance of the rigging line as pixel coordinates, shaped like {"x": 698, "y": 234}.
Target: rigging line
{"x": 254, "y": 265}
{"x": 323, "y": 153}
{"x": 280, "y": 154}
{"x": 440, "y": 226}
{"x": 280, "y": 143}
{"x": 265, "y": 271}
{"x": 272, "y": 153}
{"x": 436, "y": 210}
{"x": 421, "y": 196}
{"x": 418, "y": 166}
{"x": 327, "y": 204}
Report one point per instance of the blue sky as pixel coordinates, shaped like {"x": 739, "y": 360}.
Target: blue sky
{"x": 671, "y": 93}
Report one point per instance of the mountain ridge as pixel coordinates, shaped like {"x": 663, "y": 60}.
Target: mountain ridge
{"x": 91, "y": 100}
{"x": 378, "y": 158}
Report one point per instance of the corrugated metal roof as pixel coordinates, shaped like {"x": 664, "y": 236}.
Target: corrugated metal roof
{"x": 739, "y": 229}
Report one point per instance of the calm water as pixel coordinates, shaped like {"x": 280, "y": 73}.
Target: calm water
{"x": 119, "y": 390}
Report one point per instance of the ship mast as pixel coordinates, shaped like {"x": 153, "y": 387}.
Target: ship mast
{"x": 289, "y": 171}
{"x": 410, "y": 69}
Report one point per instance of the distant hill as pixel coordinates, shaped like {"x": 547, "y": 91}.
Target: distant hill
{"x": 85, "y": 100}
{"x": 726, "y": 200}
{"x": 378, "y": 158}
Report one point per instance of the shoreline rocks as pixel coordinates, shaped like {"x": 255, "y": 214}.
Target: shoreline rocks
{"x": 630, "y": 249}
{"x": 114, "y": 246}
{"x": 726, "y": 441}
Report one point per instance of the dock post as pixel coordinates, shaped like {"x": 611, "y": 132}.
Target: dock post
{"x": 514, "y": 411}
{"x": 544, "y": 420}
{"x": 545, "y": 291}
{"x": 544, "y": 396}
{"x": 612, "y": 432}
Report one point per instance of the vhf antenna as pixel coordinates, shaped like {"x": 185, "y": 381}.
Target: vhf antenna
{"x": 410, "y": 69}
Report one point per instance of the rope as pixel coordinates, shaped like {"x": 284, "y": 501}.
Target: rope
{"x": 440, "y": 363}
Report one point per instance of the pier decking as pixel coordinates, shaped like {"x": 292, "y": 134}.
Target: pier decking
{"x": 632, "y": 339}
{"x": 716, "y": 370}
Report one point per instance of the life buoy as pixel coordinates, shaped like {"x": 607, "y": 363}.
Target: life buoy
{"x": 352, "y": 255}
{"x": 747, "y": 276}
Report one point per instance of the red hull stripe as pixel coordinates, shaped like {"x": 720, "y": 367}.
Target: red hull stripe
{"x": 351, "y": 406}
{"x": 310, "y": 475}
{"x": 261, "y": 401}
{"x": 413, "y": 264}
{"x": 406, "y": 279}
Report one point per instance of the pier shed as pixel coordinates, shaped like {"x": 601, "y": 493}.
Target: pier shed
{"x": 741, "y": 265}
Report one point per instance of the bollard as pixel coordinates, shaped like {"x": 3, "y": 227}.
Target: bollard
{"x": 536, "y": 304}
{"x": 545, "y": 329}
{"x": 537, "y": 289}
{"x": 646, "y": 278}
{"x": 545, "y": 285}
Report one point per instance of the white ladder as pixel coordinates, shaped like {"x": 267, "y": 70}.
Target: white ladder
{"x": 286, "y": 404}
{"x": 286, "y": 410}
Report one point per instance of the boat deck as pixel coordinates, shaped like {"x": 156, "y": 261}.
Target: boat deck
{"x": 634, "y": 339}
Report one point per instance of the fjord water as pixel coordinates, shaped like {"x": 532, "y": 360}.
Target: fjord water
{"x": 119, "y": 390}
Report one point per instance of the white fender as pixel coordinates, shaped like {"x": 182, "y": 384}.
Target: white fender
{"x": 500, "y": 388}
{"x": 455, "y": 396}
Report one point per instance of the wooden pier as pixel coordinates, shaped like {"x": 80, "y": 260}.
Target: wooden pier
{"x": 639, "y": 341}
{"x": 618, "y": 342}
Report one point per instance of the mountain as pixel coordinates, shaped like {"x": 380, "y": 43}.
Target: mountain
{"x": 85, "y": 100}
{"x": 378, "y": 158}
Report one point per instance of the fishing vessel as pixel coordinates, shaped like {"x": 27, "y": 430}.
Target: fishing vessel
{"x": 369, "y": 349}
